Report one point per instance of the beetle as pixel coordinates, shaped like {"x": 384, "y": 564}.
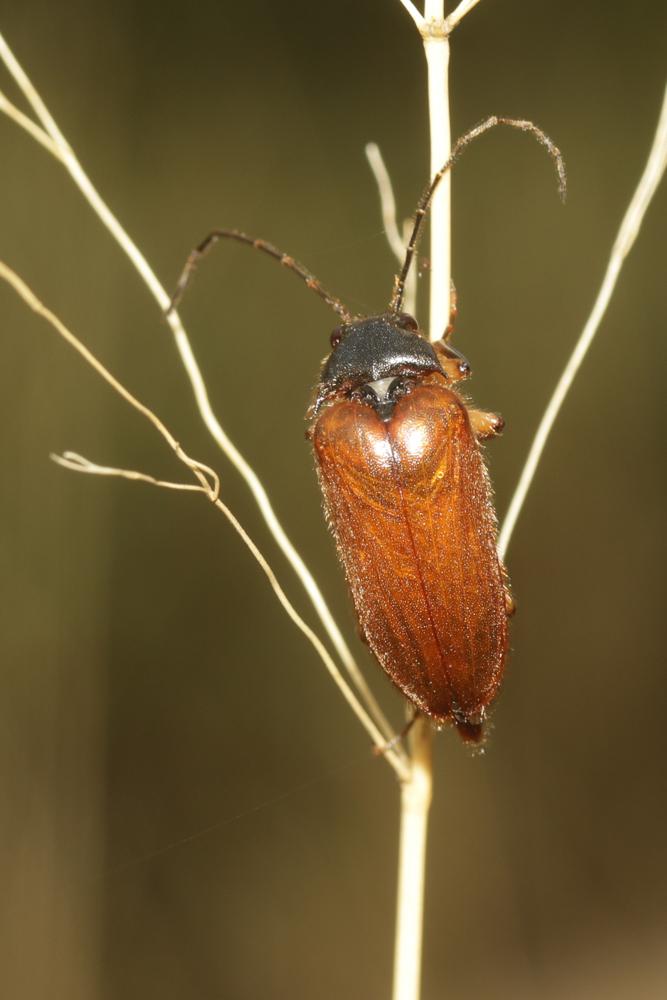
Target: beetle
{"x": 408, "y": 500}
{"x": 406, "y": 492}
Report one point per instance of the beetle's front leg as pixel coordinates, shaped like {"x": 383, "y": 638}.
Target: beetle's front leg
{"x": 455, "y": 366}
{"x": 484, "y": 424}
{"x": 453, "y": 312}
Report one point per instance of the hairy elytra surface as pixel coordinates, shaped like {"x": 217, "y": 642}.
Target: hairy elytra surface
{"x": 409, "y": 503}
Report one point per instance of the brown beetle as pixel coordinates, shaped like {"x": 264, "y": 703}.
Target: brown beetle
{"x": 406, "y": 491}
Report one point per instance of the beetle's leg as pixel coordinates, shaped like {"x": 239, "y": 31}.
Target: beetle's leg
{"x": 362, "y": 633}
{"x": 485, "y": 425}
{"x": 454, "y": 364}
{"x": 453, "y": 312}
{"x": 510, "y": 603}
{"x": 395, "y": 740}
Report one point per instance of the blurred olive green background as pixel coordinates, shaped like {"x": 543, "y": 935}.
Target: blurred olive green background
{"x": 188, "y": 808}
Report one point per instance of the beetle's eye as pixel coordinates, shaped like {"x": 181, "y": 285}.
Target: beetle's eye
{"x": 337, "y": 336}
{"x": 407, "y": 321}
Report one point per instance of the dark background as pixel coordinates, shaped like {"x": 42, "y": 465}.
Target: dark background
{"x": 188, "y": 808}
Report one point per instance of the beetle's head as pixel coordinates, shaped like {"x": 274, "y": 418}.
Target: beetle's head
{"x": 367, "y": 356}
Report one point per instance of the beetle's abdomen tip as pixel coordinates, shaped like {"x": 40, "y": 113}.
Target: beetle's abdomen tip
{"x": 471, "y": 728}
{"x": 470, "y": 732}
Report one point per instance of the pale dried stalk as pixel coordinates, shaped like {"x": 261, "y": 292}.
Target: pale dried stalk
{"x": 459, "y": 13}
{"x": 627, "y": 234}
{"x": 416, "y": 793}
{"x": 26, "y": 123}
{"x": 435, "y": 12}
{"x": 66, "y": 155}
{"x": 414, "y": 13}
{"x": 415, "y": 806}
{"x": 208, "y": 484}
{"x": 434, "y": 29}
{"x": 435, "y": 35}
{"x": 387, "y": 200}
{"x": 397, "y": 241}
{"x": 77, "y": 463}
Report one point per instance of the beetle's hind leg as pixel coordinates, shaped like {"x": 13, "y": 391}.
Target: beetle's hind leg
{"x": 485, "y": 424}
{"x": 510, "y": 603}
{"x": 395, "y": 740}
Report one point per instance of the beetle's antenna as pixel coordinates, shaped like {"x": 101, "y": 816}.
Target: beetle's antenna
{"x": 287, "y": 261}
{"x": 460, "y": 144}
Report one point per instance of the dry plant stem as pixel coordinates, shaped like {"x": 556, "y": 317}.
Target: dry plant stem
{"x": 415, "y": 803}
{"x": 435, "y": 30}
{"x": 67, "y": 156}
{"x": 77, "y": 463}
{"x": 26, "y": 123}
{"x": 459, "y": 13}
{"x": 208, "y": 485}
{"x": 416, "y": 792}
{"x": 397, "y": 241}
{"x": 653, "y": 172}
{"x": 435, "y": 35}
{"x": 414, "y": 13}
{"x": 450, "y": 21}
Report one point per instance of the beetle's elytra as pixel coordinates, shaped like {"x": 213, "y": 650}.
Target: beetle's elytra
{"x": 408, "y": 500}
{"x": 406, "y": 491}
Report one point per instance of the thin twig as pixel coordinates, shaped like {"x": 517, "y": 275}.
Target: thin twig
{"x": 77, "y": 463}
{"x": 396, "y": 240}
{"x": 414, "y": 13}
{"x": 653, "y": 172}
{"x": 436, "y": 49}
{"x": 208, "y": 484}
{"x": 387, "y": 200}
{"x": 435, "y": 35}
{"x": 83, "y": 182}
{"x": 28, "y": 124}
{"x": 415, "y": 806}
{"x": 459, "y": 13}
